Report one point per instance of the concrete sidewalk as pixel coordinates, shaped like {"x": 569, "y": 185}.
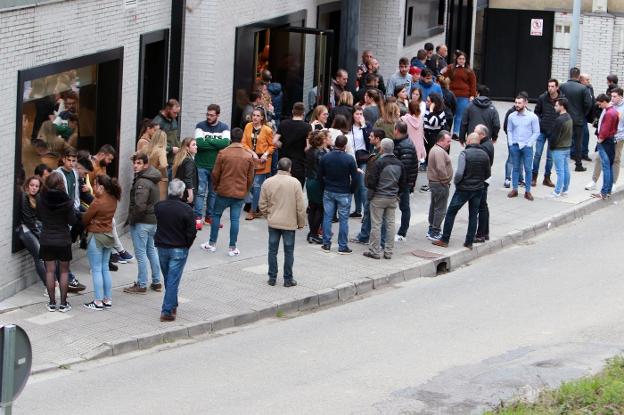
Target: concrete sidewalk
{"x": 219, "y": 292}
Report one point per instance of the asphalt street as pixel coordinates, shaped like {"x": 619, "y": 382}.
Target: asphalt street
{"x": 533, "y": 315}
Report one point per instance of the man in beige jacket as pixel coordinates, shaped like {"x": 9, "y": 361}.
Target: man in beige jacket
{"x": 439, "y": 174}
{"x": 281, "y": 200}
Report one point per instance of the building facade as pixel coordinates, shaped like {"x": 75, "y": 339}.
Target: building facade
{"x": 123, "y": 58}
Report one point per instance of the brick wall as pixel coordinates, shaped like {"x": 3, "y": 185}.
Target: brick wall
{"x": 50, "y": 33}
{"x": 617, "y": 55}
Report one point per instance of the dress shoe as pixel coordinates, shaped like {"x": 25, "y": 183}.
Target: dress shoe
{"x": 547, "y": 182}
{"x": 166, "y": 317}
{"x": 580, "y": 168}
{"x": 271, "y": 282}
{"x": 479, "y": 239}
{"x": 528, "y": 196}
{"x": 290, "y": 283}
{"x": 513, "y": 193}
{"x": 441, "y": 243}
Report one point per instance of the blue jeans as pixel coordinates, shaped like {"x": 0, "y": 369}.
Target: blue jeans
{"x": 541, "y": 142}
{"x": 361, "y": 192}
{"x": 404, "y": 207}
{"x": 521, "y": 157}
{"x": 255, "y": 190}
{"x": 222, "y": 203}
{"x": 289, "y": 250}
{"x": 98, "y": 262}
{"x": 205, "y": 194}
{"x": 365, "y": 230}
{"x": 459, "y": 199}
{"x": 331, "y": 202}
{"x": 144, "y": 250}
{"x": 462, "y": 104}
{"x": 585, "y": 144}
{"x": 274, "y": 160}
{"x": 562, "y": 167}
{"x": 172, "y": 261}
{"x": 606, "y": 151}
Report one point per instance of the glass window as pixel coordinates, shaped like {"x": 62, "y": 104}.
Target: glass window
{"x": 423, "y": 19}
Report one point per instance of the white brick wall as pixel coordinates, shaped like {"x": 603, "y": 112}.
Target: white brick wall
{"x": 44, "y": 34}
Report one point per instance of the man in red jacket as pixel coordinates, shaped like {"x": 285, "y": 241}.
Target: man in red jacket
{"x": 607, "y": 127}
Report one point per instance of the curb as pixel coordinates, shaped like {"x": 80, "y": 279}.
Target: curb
{"x": 330, "y": 296}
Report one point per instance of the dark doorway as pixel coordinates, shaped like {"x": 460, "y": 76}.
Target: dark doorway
{"x": 329, "y": 16}
{"x": 280, "y": 45}
{"x": 459, "y": 26}
{"x": 152, "y": 74}
{"x": 517, "y": 57}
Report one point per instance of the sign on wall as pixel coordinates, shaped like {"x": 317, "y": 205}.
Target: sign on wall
{"x": 537, "y": 27}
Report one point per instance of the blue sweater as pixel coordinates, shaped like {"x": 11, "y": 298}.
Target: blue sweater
{"x": 337, "y": 172}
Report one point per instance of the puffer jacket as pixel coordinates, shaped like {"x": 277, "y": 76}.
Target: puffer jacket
{"x": 143, "y": 196}
{"x": 56, "y": 212}
{"x": 405, "y": 151}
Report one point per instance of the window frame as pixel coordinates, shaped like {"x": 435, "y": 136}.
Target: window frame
{"x": 410, "y": 39}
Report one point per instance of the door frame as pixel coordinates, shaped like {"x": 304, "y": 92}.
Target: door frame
{"x": 144, "y": 40}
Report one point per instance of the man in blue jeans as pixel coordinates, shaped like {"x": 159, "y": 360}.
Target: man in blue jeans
{"x": 522, "y": 132}
{"x": 337, "y": 173}
{"x": 211, "y": 136}
{"x": 281, "y": 200}
{"x": 545, "y": 111}
{"x": 174, "y": 236}
{"x": 473, "y": 169}
{"x": 143, "y": 197}
{"x": 607, "y": 128}
{"x": 232, "y": 178}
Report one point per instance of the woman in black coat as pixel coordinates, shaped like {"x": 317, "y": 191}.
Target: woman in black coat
{"x": 29, "y": 229}
{"x": 56, "y": 212}
{"x": 185, "y": 169}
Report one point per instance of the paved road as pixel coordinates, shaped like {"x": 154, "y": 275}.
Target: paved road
{"x": 531, "y": 315}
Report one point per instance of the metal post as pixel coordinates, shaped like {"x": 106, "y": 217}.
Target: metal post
{"x": 574, "y": 32}
{"x": 8, "y": 368}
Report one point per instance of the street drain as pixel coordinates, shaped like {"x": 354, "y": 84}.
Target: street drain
{"x": 441, "y": 268}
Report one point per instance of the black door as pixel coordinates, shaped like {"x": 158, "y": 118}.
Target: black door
{"x": 108, "y": 110}
{"x": 517, "y": 55}
{"x": 152, "y": 74}
{"x": 459, "y": 26}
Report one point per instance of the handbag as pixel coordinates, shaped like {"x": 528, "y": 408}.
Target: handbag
{"x": 361, "y": 156}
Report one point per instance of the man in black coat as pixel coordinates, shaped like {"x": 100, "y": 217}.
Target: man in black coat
{"x": 405, "y": 151}
{"x": 175, "y": 234}
{"x": 473, "y": 169}
{"x": 580, "y": 103}
{"x": 545, "y": 111}
{"x": 480, "y": 111}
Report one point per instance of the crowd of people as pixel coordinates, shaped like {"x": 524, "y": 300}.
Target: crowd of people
{"x": 357, "y": 157}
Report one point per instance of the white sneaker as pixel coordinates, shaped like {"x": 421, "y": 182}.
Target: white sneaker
{"x": 507, "y": 183}
{"x": 564, "y": 194}
{"x": 234, "y": 252}
{"x": 590, "y": 186}
{"x": 555, "y": 194}
{"x": 207, "y": 247}
{"x": 399, "y": 238}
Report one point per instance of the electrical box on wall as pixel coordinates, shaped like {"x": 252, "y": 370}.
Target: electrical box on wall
{"x": 599, "y": 6}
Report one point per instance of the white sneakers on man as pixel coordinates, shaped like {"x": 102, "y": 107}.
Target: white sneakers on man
{"x": 590, "y": 186}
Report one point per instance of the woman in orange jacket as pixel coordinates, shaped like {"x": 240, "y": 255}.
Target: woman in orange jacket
{"x": 258, "y": 138}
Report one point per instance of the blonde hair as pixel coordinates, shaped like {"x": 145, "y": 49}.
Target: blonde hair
{"x": 157, "y": 148}
{"x": 317, "y": 112}
{"x": 392, "y": 113}
{"x": 182, "y": 154}
{"x": 346, "y": 98}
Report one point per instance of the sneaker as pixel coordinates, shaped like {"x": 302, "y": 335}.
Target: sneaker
{"x": 207, "y": 247}
{"x": 590, "y": 186}
{"x": 355, "y": 215}
{"x": 107, "y": 305}
{"x": 507, "y": 183}
{"x": 424, "y": 188}
{"x": 199, "y": 224}
{"x": 326, "y": 248}
{"x": 124, "y": 256}
{"x": 75, "y": 286}
{"x": 434, "y": 236}
{"x": 369, "y": 254}
{"x": 93, "y": 306}
{"x": 521, "y": 183}
{"x": 399, "y": 238}
{"x": 387, "y": 255}
{"x": 114, "y": 258}
{"x": 271, "y": 282}
{"x": 600, "y": 196}
{"x": 555, "y": 194}
{"x": 564, "y": 194}
{"x": 290, "y": 283}
{"x": 580, "y": 168}
{"x": 135, "y": 289}
{"x": 355, "y": 241}
{"x": 156, "y": 287}
{"x": 345, "y": 251}
{"x": 64, "y": 308}
{"x": 51, "y": 307}
{"x": 112, "y": 267}
{"x": 234, "y": 252}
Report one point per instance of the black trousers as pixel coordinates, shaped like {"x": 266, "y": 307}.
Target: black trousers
{"x": 577, "y": 143}
{"x": 483, "y": 228}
